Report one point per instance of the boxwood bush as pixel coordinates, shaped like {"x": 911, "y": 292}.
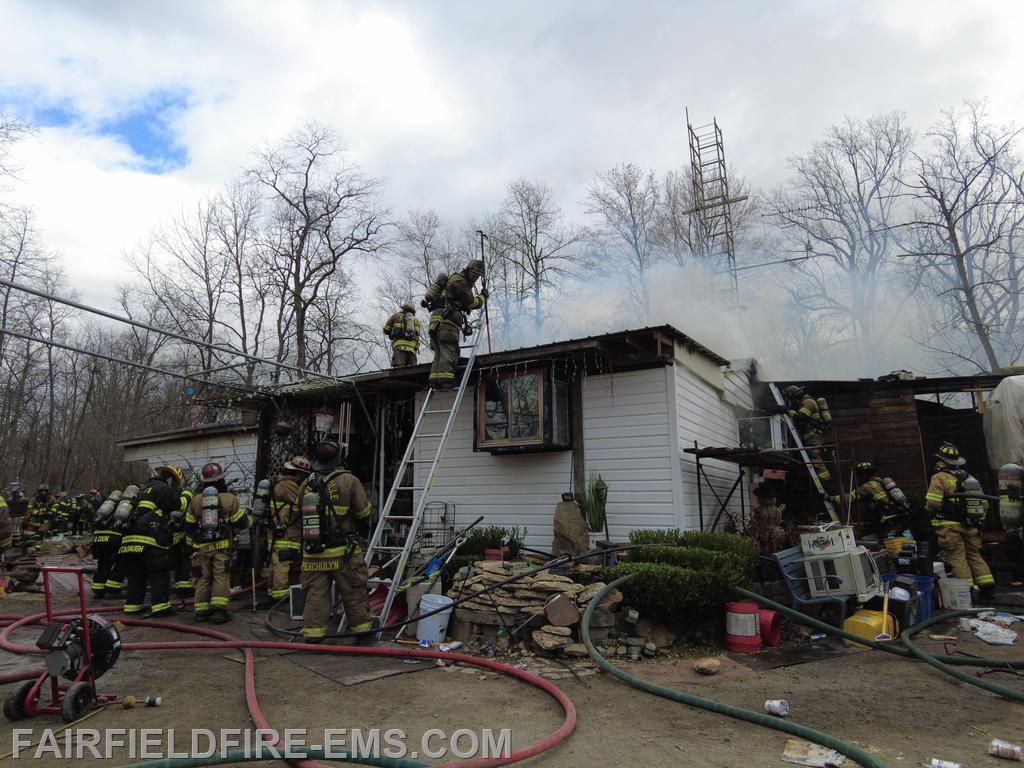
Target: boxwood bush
{"x": 670, "y": 592}
{"x": 739, "y": 568}
{"x": 741, "y": 546}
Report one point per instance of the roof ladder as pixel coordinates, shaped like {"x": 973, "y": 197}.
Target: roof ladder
{"x": 795, "y": 434}
{"x": 422, "y": 484}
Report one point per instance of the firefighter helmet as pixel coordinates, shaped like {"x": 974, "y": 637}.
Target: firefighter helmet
{"x": 299, "y": 464}
{"x": 326, "y": 456}
{"x": 476, "y": 266}
{"x": 948, "y": 454}
{"x": 43, "y": 487}
{"x": 792, "y": 392}
{"x": 176, "y": 475}
{"x": 866, "y": 466}
{"x": 212, "y": 472}
{"x": 408, "y": 307}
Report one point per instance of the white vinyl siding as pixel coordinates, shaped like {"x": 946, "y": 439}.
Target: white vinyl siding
{"x": 704, "y": 416}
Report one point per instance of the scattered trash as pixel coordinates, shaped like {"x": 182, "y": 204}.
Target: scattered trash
{"x": 818, "y": 637}
{"x": 777, "y": 707}
{"x": 1004, "y": 749}
{"x": 947, "y": 638}
{"x": 805, "y": 753}
{"x": 150, "y": 701}
{"x": 454, "y": 645}
{"x": 993, "y": 634}
{"x": 424, "y": 644}
{"x": 936, "y": 763}
{"x": 964, "y": 625}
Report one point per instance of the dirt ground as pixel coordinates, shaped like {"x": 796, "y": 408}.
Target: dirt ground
{"x": 903, "y": 712}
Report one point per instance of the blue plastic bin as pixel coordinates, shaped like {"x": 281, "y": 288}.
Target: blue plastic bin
{"x": 925, "y": 587}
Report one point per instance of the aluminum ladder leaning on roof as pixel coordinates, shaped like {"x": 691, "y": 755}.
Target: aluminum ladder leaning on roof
{"x": 401, "y": 553}
{"x": 797, "y": 442}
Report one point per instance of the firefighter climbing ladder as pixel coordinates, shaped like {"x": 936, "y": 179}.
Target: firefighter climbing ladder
{"x": 795, "y": 434}
{"x": 402, "y": 553}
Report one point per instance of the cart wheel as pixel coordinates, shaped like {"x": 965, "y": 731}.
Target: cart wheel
{"x": 76, "y": 702}
{"x": 14, "y": 702}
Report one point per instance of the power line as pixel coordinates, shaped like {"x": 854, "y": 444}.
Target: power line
{"x": 155, "y": 329}
{"x": 122, "y": 361}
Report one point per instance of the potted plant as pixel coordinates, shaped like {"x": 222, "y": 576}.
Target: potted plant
{"x": 594, "y": 507}
{"x": 494, "y": 542}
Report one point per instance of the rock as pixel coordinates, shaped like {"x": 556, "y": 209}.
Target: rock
{"x": 590, "y": 592}
{"x": 621, "y": 650}
{"x": 635, "y": 642}
{"x": 549, "y": 585}
{"x": 707, "y": 666}
{"x": 634, "y": 652}
{"x": 612, "y": 600}
{"x": 553, "y": 630}
{"x": 650, "y": 649}
{"x": 632, "y": 616}
{"x": 550, "y": 642}
{"x": 576, "y": 649}
{"x": 561, "y": 611}
{"x": 655, "y": 632}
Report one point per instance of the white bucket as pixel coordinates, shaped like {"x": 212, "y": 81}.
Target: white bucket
{"x": 955, "y": 594}
{"x": 417, "y": 591}
{"x": 433, "y": 628}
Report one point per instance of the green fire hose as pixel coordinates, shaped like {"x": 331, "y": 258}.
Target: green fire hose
{"x": 241, "y": 756}
{"x": 749, "y": 715}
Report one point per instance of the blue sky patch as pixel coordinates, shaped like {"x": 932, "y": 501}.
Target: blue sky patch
{"x": 145, "y": 125}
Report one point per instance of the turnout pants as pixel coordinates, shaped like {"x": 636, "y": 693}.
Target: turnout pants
{"x": 812, "y": 443}
{"x": 181, "y": 562}
{"x": 152, "y": 568}
{"x": 349, "y": 579}
{"x": 961, "y": 547}
{"x": 444, "y": 341}
{"x": 109, "y": 571}
{"x": 278, "y": 573}
{"x": 402, "y": 359}
{"x": 213, "y": 588}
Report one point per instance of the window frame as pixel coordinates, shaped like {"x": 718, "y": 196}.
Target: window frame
{"x": 544, "y": 441}
{"x": 480, "y": 426}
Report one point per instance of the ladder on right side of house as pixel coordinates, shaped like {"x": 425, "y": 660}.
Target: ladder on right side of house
{"x": 799, "y": 443}
{"x": 402, "y": 553}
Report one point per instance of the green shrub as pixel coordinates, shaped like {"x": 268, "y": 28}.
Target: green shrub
{"x": 492, "y": 537}
{"x": 671, "y": 538}
{"x": 669, "y": 592}
{"x": 739, "y": 568}
{"x": 741, "y": 546}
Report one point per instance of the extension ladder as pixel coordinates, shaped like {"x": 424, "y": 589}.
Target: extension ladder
{"x": 401, "y": 553}
{"x": 795, "y": 434}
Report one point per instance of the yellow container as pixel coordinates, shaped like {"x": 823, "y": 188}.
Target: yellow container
{"x": 869, "y": 625}
{"x": 893, "y": 546}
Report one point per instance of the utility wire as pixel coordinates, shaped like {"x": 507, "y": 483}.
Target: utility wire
{"x": 122, "y": 361}
{"x": 155, "y": 329}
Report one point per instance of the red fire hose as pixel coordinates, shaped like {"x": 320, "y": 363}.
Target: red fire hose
{"x": 221, "y": 641}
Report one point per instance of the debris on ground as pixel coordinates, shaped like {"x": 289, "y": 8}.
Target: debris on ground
{"x": 802, "y": 752}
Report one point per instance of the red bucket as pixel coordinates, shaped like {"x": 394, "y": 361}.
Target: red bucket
{"x": 742, "y": 627}
{"x": 771, "y": 627}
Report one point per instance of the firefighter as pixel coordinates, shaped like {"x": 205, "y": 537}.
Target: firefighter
{"x": 956, "y": 520}
{"x": 145, "y": 548}
{"x": 284, "y": 537}
{"x": 811, "y": 418}
{"x": 80, "y": 510}
{"x": 334, "y": 510}
{"x": 403, "y": 328}
{"x": 450, "y": 319}
{"x": 6, "y": 529}
{"x": 209, "y": 523}
{"x": 108, "y": 531}
{"x": 181, "y": 549}
{"x": 885, "y": 507}
{"x": 62, "y": 508}
{"x": 40, "y": 511}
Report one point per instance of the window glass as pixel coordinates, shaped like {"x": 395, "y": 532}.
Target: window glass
{"x": 524, "y": 406}
{"x": 496, "y": 410}
{"x": 560, "y": 414}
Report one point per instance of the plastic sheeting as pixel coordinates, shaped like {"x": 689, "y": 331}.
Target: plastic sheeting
{"x": 1004, "y": 423}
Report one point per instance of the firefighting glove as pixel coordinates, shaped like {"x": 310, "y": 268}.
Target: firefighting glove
{"x": 485, "y": 293}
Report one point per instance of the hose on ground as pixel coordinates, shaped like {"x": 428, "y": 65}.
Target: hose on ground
{"x": 748, "y": 715}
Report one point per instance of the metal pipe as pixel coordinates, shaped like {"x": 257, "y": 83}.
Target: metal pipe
{"x": 155, "y": 329}
{"x": 121, "y": 361}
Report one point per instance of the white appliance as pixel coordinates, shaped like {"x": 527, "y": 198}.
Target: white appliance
{"x": 825, "y": 540}
{"x": 844, "y": 574}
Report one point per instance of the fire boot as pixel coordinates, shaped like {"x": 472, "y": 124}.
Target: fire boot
{"x": 219, "y": 616}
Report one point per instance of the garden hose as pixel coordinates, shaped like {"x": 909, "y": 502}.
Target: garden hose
{"x": 241, "y": 756}
{"x": 749, "y": 715}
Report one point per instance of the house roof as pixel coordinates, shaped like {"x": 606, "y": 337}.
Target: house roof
{"x": 204, "y": 430}
{"x": 642, "y": 343}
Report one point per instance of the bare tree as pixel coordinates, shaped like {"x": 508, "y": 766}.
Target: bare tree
{"x": 538, "y": 245}
{"x": 839, "y": 209}
{"x": 323, "y": 211}
{"x": 626, "y": 200}
{"x": 969, "y": 214}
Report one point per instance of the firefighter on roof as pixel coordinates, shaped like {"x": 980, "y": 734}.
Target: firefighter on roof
{"x": 403, "y": 328}
{"x": 450, "y": 319}
{"x": 955, "y": 501}
{"x": 209, "y": 521}
{"x": 145, "y": 548}
{"x": 335, "y": 510}
{"x": 812, "y": 418}
{"x": 284, "y": 534}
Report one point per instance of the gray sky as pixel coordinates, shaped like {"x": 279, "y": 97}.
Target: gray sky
{"x": 145, "y": 106}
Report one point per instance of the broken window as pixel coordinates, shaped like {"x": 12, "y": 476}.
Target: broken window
{"x": 522, "y": 410}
